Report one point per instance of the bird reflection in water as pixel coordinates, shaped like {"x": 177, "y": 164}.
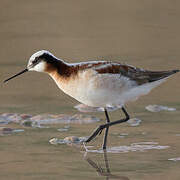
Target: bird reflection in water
{"x": 106, "y": 171}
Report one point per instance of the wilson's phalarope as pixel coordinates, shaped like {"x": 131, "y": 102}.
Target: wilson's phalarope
{"x": 98, "y": 83}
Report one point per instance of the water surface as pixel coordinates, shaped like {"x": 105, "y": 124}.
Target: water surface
{"x": 141, "y": 33}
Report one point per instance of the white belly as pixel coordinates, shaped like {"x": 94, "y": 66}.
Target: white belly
{"x": 103, "y": 90}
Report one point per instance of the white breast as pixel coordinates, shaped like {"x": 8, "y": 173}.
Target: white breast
{"x": 97, "y": 90}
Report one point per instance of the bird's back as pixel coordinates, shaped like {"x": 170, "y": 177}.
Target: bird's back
{"x": 106, "y": 83}
{"x": 139, "y": 75}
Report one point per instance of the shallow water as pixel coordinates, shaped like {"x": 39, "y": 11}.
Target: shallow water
{"x": 141, "y": 33}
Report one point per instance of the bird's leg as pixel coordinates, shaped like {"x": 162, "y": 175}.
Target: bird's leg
{"x": 101, "y": 127}
{"x": 107, "y": 129}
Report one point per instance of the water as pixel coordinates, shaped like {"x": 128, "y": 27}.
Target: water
{"x": 141, "y": 33}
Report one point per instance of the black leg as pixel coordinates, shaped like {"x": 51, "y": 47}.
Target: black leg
{"x": 107, "y": 129}
{"x": 101, "y": 127}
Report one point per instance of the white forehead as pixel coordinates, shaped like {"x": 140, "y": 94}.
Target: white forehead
{"x": 39, "y": 53}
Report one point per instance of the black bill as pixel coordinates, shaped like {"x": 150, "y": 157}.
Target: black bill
{"x": 25, "y": 70}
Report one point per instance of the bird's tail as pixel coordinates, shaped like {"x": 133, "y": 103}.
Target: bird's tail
{"x": 157, "y": 75}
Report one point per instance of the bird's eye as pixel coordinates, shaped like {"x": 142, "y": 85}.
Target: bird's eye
{"x": 35, "y": 61}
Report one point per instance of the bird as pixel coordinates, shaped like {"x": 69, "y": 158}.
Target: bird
{"x": 98, "y": 83}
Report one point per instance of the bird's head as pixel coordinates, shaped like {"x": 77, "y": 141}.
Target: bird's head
{"x": 37, "y": 62}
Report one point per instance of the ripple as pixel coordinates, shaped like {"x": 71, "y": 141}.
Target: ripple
{"x": 45, "y": 119}
{"x": 158, "y": 108}
{"x": 174, "y": 159}
{"x": 134, "y": 122}
{"x": 68, "y": 140}
{"x": 9, "y": 131}
{"x": 64, "y": 129}
{"x": 134, "y": 147}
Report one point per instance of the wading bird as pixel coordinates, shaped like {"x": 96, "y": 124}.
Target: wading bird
{"x": 98, "y": 83}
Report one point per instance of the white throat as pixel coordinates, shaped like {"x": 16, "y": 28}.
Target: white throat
{"x": 40, "y": 67}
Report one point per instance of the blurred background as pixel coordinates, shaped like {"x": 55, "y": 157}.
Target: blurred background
{"x": 141, "y": 33}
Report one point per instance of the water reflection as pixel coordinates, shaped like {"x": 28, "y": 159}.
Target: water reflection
{"x": 103, "y": 171}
